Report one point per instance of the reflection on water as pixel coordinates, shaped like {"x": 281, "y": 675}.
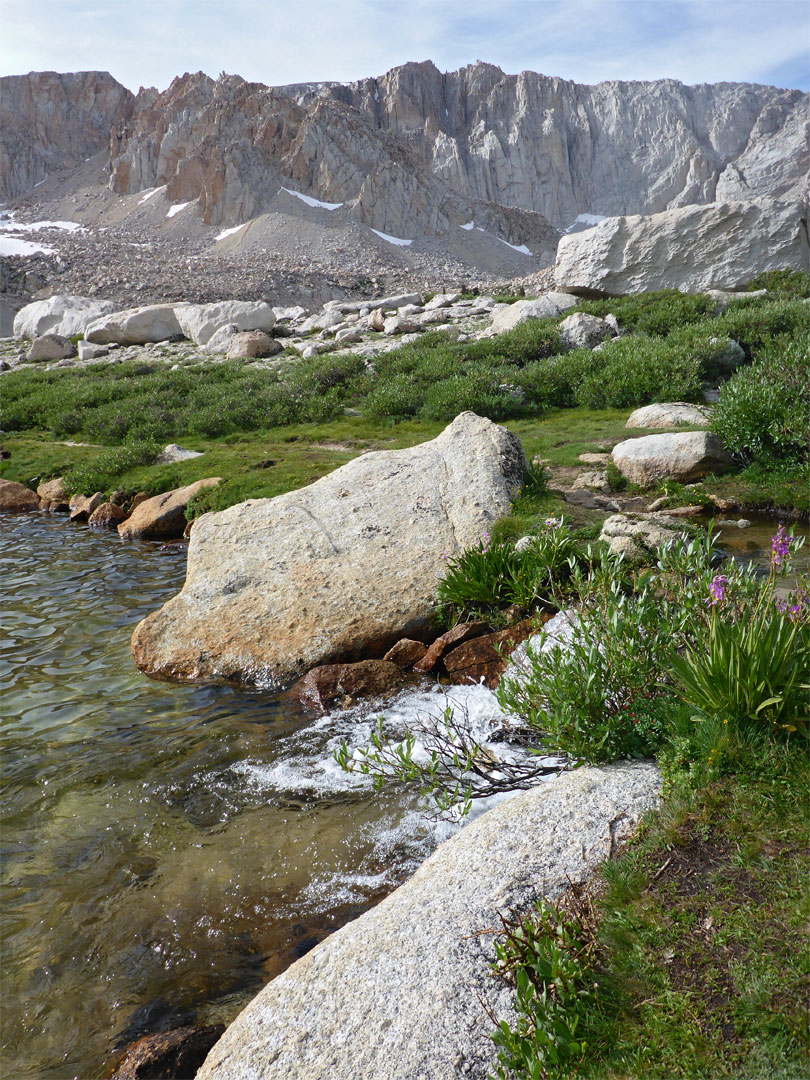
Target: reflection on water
{"x": 165, "y": 849}
{"x": 754, "y": 543}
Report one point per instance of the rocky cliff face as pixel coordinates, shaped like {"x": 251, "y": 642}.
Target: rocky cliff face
{"x": 561, "y": 148}
{"x": 417, "y": 152}
{"x": 50, "y": 122}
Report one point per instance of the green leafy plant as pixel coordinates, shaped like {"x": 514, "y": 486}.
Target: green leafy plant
{"x": 753, "y": 663}
{"x": 790, "y": 284}
{"x": 550, "y": 958}
{"x": 764, "y": 410}
{"x": 481, "y": 575}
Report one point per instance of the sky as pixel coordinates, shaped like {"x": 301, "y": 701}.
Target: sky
{"x": 149, "y": 42}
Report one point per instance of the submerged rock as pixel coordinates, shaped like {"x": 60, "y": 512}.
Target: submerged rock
{"x": 107, "y": 516}
{"x": 336, "y": 571}
{"x": 82, "y": 506}
{"x": 398, "y": 992}
{"x": 169, "y": 1055}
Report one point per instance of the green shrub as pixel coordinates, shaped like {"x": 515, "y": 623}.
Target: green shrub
{"x": 396, "y": 397}
{"x": 787, "y": 284}
{"x": 637, "y": 370}
{"x": 655, "y": 313}
{"x": 549, "y": 956}
{"x": 587, "y": 699}
{"x": 110, "y": 464}
{"x": 481, "y": 391}
{"x": 553, "y": 383}
{"x": 755, "y": 323}
{"x": 763, "y": 413}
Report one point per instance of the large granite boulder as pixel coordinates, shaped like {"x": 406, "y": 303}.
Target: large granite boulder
{"x": 667, "y": 414}
{"x": 692, "y": 248}
{"x": 397, "y": 994}
{"x": 337, "y": 571}
{"x": 135, "y": 326}
{"x": 163, "y": 517}
{"x": 65, "y": 315}
{"x": 685, "y": 456}
{"x": 201, "y": 321}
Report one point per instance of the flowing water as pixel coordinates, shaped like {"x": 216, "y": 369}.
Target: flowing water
{"x": 166, "y": 849}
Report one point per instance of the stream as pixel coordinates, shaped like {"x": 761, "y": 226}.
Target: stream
{"x": 167, "y": 849}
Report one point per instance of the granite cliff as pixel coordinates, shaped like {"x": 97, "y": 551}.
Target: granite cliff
{"x": 416, "y": 150}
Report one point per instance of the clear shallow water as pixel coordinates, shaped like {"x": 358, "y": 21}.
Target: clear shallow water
{"x": 754, "y": 544}
{"x": 165, "y": 849}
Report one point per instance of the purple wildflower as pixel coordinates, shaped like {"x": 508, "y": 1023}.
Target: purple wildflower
{"x": 780, "y": 546}
{"x": 717, "y": 589}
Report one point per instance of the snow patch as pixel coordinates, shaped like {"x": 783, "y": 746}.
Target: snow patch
{"x": 313, "y": 202}
{"x": 515, "y": 247}
{"x": 177, "y": 208}
{"x": 520, "y": 248}
{"x": 8, "y": 224}
{"x": 231, "y": 231}
{"x": 584, "y": 220}
{"x": 397, "y": 240}
{"x": 149, "y": 193}
{"x": 10, "y": 245}
{"x": 470, "y": 225}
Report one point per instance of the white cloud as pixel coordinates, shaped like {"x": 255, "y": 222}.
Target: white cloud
{"x": 276, "y": 42}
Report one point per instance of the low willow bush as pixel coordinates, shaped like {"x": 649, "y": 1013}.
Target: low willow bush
{"x": 108, "y": 466}
{"x": 654, "y": 313}
{"x": 755, "y": 323}
{"x": 605, "y": 692}
{"x": 786, "y": 284}
{"x": 763, "y": 413}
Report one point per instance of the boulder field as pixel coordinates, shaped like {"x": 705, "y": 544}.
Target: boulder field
{"x": 402, "y": 992}
{"x": 336, "y": 571}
